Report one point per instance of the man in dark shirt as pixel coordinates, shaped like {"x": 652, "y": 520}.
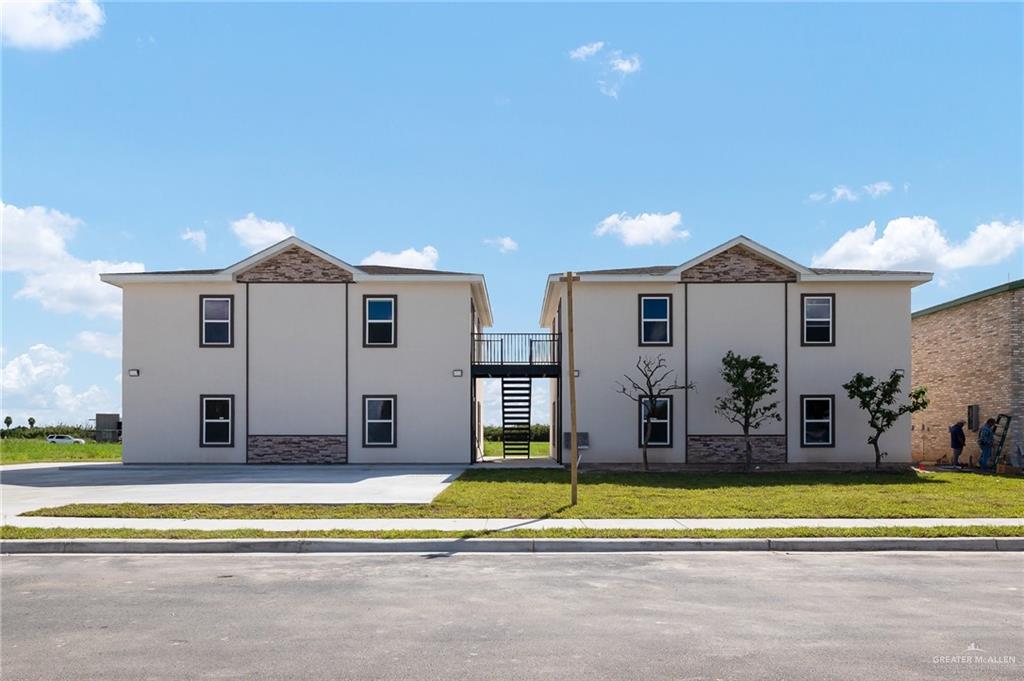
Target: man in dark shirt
{"x": 957, "y": 440}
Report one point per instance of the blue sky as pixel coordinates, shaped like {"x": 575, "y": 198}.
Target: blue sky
{"x": 445, "y": 128}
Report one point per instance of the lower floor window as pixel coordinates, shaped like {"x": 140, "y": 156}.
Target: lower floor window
{"x": 660, "y": 411}
{"x": 817, "y": 419}
{"x": 379, "y": 421}
{"x": 217, "y": 420}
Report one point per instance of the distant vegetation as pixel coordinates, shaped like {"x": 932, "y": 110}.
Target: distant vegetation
{"x": 40, "y": 432}
{"x": 538, "y": 433}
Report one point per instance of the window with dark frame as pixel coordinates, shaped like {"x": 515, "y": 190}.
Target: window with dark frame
{"x": 379, "y": 316}
{"x": 660, "y": 409}
{"x": 655, "y": 319}
{"x": 974, "y": 417}
{"x": 379, "y": 421}
{"x": 817, "y": 416}
{"x": 215, "y": 324}
{"x": 217, "y": 421}
{"x": 818, "y": 319}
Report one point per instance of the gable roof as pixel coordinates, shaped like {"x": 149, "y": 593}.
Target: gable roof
{"x": 970, "y": 298}
{"x": 358, "y": 274}
{"x": 673, "y": 274}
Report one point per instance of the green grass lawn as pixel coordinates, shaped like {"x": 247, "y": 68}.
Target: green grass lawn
{"x": 528, "y": 493}
{"x": 11, "y": 532}
{"x": 20, "y": 450}
{"x": 537, "y": 449}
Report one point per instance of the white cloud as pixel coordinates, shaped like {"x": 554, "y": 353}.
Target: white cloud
{"x": 425, "y": 259}
{"x": 35, "y": 244}
{"x": 585, "y": 52}
{"x": 918, "y": 243}
{"x": 256, "y": 234}
{"x": 877, "y": 190}
{"x": 32, "y": 387}
{"x": 42, "y": 365}
{"x": 644, "y": 229}
{"x": 104, "y": 344}
{"x": 625, "y": 65}
{"x": 817, "y": 197}
{"x": 843, "y": 193}
{"x": 49, "y": 25}
{"x": 197, "y": 237}
{"x": 505, "y": 244}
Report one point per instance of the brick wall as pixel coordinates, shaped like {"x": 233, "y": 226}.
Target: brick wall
{"x": 964, "y": 355}
{"x": 294, "y": 265}
{"x": 738, "y": 264}
{"x": 731, "y": 449}
{"x": 298, "y": 449}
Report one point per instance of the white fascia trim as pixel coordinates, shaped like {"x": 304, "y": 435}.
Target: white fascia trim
{"x": 288, "y": 243}
{"x": 747, "y": 242}
{"x": 915, "y": 279}
{"x": 120, "y": 279}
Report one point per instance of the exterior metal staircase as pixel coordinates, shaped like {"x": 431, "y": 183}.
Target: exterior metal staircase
{"x": 515, "y": 417}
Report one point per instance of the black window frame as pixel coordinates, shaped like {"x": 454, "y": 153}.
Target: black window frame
{"x": 394, "y": 422}
{"x": 832, "y": 320}
{"x": 640, "y": 425}
{"x": 974, "y": 417}
{"x": 831, "y": 399}
{"x": 230, "y": 320}
{"x": 640, "y": 320}
{"x": 202, "y": 420}
{"x": 367, "y": 321}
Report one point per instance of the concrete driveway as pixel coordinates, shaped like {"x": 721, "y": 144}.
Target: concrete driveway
{"x": 30, "y": 486}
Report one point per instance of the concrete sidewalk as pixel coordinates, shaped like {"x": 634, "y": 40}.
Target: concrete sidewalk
{"x": 497, "y": 524}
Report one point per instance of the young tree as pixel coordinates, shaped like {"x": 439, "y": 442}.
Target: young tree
{"x": 656, "y": 380}
{"x": 752, "y": 381}
{"x": 878, "y": 399}
{"x": 31, "y": 422}
{"x": 8, "y": 421}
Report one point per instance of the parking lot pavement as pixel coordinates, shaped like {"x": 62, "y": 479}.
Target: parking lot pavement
{"x": 593, "y": 617}
{"x": 31, "y": 486}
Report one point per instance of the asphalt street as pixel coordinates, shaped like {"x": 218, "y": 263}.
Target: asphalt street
{"x": 594, "y": 617}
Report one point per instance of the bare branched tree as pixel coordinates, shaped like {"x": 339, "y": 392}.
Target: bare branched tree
{"x": 656, "y": 380}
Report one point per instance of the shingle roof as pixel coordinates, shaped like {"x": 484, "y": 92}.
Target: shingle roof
{"x": 829, "y": 270}
{"x": 148, "y": 272}
{"x": 650, "y": 269}
{"x": 663, "y": 269}
{"x": 388, "y": 269}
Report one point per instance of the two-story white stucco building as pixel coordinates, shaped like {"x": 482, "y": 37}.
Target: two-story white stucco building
{"x": 294, "y": 356}
{"x": 820, "y": 326}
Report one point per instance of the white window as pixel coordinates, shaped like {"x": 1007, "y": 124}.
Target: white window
{"x": 818, "y": 318}
{"x": 215, "y": 321}
{"x": 660, "y": 410}
{"x": 379, "y": 315}
{"x": 379, "y": 421}
{"x": 818, "y": 424}
{"x": 217, "y": 421}
{"x": 655, "y": 320}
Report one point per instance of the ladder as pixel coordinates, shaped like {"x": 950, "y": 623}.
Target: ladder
{"x": 999, "y": 432}
{"x": 515, "y": 417}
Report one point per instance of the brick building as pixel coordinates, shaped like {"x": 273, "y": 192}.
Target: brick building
{"x": 969, "y": 352}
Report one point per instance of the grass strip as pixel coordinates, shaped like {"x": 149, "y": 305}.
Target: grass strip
{"x": 480, "y": 493}
{"x": 12, "y": 532}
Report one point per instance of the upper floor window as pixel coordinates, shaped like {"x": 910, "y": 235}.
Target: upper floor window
{"x": 217, "y": 416}
{"x": 656, "y": 319}
{"x": 380, "y": 319}
{"x": 818, "y": 319}
{"x": 215, "y": 321}
{"x": 817, "y": 420}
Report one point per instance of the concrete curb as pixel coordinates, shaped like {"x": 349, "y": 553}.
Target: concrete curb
{"x": 111, "y": 546}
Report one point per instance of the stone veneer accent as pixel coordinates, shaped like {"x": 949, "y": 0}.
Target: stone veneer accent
{"x": 730, "y": 449}
{"x": 298, "y": 449}
{"x": 972, "y": 353}
{"x": 738, "y": 264}
{"x": 294, "y": 265}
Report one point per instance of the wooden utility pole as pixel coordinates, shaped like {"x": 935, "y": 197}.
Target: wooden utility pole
{"x": 573, "y": 445}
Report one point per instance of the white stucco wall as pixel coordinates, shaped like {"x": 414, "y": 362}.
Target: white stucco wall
{"x": 607, "y": 347}
{"x": 748, "y": 319}
{"x": 297, "y": 359}
{"x": 433, "y": 409}
{"x": 161, "y": 406}
{"x": 872, "y": 332}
